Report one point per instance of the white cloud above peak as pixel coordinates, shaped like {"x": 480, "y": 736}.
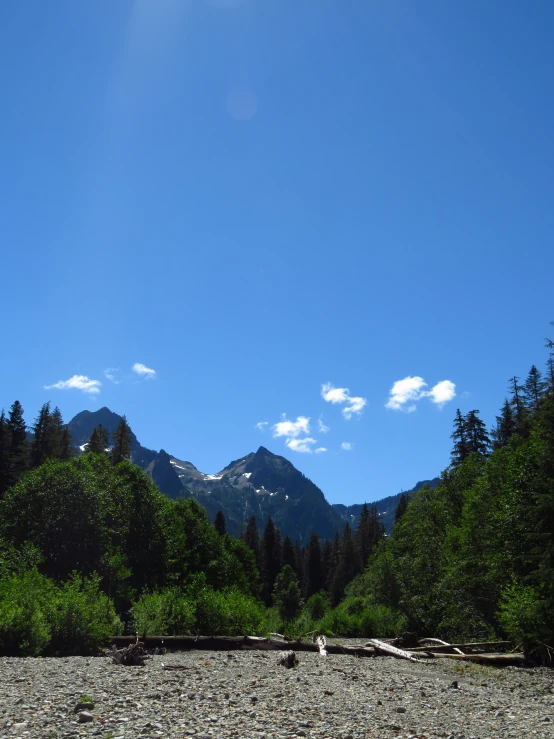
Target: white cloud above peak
{"x": 301, "y": 445}
{"x": 291, "y": 429}
{"x": 346, "y": 446}
{"x": 322, "y": 428}
{"x": 405, "y": 393}
{"x": 143, "y": 371}
{"x": 77, "y": 382}
{"x": 261, "y": 425}
{"x": 354, "y": 404}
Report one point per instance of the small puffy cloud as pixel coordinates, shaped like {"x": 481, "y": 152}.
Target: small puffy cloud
{"x": 355, "y": 404}
{"x": 346, "y": 446}
{"x": 320, "y": 450}
{"x": 112, "y": 374}
{"x": 442, "y": 392}
{"x": 404, "y": 393}
{"x": 322, "y": 428}
{"x": 301, "y": 445}
{"x": 77, "y": 382}
{"x": 143, "y": 371}
{"x": 261, "y": 425}
{"x": 291, "y": 429}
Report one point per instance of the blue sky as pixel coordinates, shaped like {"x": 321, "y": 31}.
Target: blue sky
{"x": 267, "y": 202}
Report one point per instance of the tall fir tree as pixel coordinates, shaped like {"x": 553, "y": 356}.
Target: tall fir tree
{"x": 4, "y": 454}
{"x": 99, "y": 440}
{"x": 313, "y": 575}
{"x": 288, "y": 557}
{"x": 121, "y": 449}
{"x": 476, "y": 433}
{"x": 251, "y": 538}
{"x": 61, "y": 438}
{"x": 402, "y": 507}
{"x": 18, "y": 445}
{"x": 220, "y": 523}
{"x": 533, "y": 390}
{"x": 505, "y": 426}
{"x": 346, "y": 568}
{"x": 42, "y": 446}
{"x": 460, "y": 451}
{"x": 518, "y": 405}
{"x": 270, "y": 558}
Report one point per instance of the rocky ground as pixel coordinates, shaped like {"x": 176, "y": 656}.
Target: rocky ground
{"x": 248, "y": 695}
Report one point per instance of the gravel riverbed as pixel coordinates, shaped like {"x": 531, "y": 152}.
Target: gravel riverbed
{"x": 248, "y": 695}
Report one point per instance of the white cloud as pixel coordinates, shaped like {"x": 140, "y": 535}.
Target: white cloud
{"x": 143, "y": 370}
{"x": 320, "y": 450}
{"x": 346, "y": 445}
{"x": 322, "y": 428}
{"x": 355, "y": 404}
{"x": 301, "y": 445}
{"x": 77, "y": 382}
{"x": 291, "y": 429}
{"x": 112, "y": 374}
{"x": 442, "y": 392}
{"x": 261, "y": 425}
{"x": 405, "y": 392}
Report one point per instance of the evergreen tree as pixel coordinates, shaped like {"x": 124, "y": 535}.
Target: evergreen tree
{"x": 505, "y": 426}
{"x": 533, "y": 390}
{"x": 41, "y": 447}
{"x": 516, "y": 401}
{"x": 288, "y": 556}
{"x": 326, "y": 562}
{"x": 270, "y": 558}
{"x": 460, "y": 451}
{"x": 121, "y": 449}
{"x": 252, "y": 538}
{"x": 476, "y": 433}
{"x": 18, "y": 445}
{"x": 4, "y": 454}
{"x": 220, "y": 523}
{"x": 346, "y": 568}
{"x": 286, "y": 594}
{"x": 313, "y": 572}
{"x": 60, "y": 436}
{"x": 99, "y": 440}
{"x": 402, "y": 507}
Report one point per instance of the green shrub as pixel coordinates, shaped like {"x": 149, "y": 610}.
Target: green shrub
{"x": 39, "y": 618}
{"x": 520, "y": 614}
{"x": 166, "y": 612}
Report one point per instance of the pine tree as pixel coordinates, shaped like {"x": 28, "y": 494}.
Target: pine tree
{"x": 362, "y": 538}
{"x": 346, "y": 568}
{"x": 288, "y": 556}
{"x": 251, "y": 538}
{"x": 99, "y": 441}
{"x": 516, "y": 401}
{"x": 18, "y": 445}
{"x": 401, "y": 507}
{"x": 4, "y": 454}
{"x": 505, "y": 426}
{"x": 461, "y": 446}
{"x": 533, "y": 390}
{"x": 41, "y": 447}
{"x": 60, "y": 436}
{"x": 476, "y": 432}
{"x": 220, "y": 523}
{"x": 313, "y": 571}
{"x": 121, "y": 449}
{"x": 270, "y": 558}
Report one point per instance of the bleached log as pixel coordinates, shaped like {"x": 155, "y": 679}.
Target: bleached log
{"x": 380, "y": 646}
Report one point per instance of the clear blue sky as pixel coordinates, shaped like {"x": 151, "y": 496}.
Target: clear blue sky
{"x": 254, "y": 198}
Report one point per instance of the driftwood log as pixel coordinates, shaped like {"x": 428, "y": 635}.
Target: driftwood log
{"x": 133, "y": 655}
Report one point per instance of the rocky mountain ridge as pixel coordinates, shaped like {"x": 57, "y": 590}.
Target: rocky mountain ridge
{"x": 261, "y": 484}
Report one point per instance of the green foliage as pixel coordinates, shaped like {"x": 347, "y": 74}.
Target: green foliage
{"x": 521, "y": 614}
{"x": 38, "y": 617}
{"x": 198, "y": 609}
{"x": 287, "y": 596}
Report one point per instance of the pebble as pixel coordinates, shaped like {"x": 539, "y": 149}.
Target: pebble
{"x": 251, "y": 697}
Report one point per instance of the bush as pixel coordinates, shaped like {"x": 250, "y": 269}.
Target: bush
{"x": 199, "y": 608}
{"x": 520, "y": 614}
{"x": 39, "y": 618}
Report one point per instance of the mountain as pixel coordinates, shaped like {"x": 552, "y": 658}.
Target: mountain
{"x": 385, "y": 507}
{"x": 262, "y": 484}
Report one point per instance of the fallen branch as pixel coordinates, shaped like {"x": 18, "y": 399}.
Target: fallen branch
{"x": 133, "y": 655}
{"x": 380, "y": 646}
